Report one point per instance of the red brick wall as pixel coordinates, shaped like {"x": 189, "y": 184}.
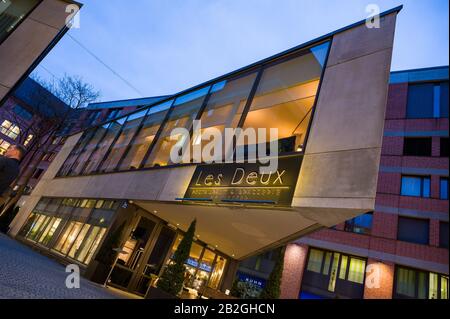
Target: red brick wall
{"x": 294, "y": 264}
{"x": 379, "y": 280}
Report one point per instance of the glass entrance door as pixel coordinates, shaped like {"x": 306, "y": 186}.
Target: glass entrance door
{"x": 130, "y": 258}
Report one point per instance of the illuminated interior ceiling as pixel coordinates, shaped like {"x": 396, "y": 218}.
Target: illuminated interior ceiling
{"x": 241, "y": 232}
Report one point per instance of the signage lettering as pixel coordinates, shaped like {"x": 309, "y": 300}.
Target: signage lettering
{"x": 243, "y": 182}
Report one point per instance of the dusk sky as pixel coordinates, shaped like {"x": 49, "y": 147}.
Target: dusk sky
{"x": 163, "y": 47}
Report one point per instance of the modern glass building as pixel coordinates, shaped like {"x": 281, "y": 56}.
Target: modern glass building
{"x": 116, "y": 184}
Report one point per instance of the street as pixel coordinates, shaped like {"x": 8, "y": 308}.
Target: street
{"x": 26, "y": 274}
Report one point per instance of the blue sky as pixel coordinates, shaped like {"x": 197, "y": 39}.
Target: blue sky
{"x": 165, "y": 46}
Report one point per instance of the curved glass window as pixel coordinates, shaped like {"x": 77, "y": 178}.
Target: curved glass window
{"x": 145, "y": 137}
{"x": 184, "y": 112}
{"x": 129, "y": 129}
{"x": 285, "y": 98}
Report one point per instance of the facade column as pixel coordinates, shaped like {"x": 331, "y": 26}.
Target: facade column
{"x": 294, "y": 264}
{"x": 379, "y": 280}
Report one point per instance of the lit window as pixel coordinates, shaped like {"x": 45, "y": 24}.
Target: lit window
{"x": 28, "y": 140}
{"x": 418, "y": 186}
{"x": 356, "y": 270}
{"x": 416, "y": 284}
{"x": 10, "y": 130}
{"x": 315, "y": 260}
{"x": 4, "y": 145}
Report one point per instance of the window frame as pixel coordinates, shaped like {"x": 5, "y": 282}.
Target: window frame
{"x": 416, "y": 283}
{"x": 422, "y": 179}
{"x": 427, "y": 220}
{"x": 428, "y": 139}
{"x": 258, "y": 67}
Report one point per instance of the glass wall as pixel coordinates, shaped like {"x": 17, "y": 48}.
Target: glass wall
{"x": 224, "y": 109}
{"x": 98, "y": 154}
{"x": 128, "y": 131}
{"x": 79, "y": 147}
{"x": 417, "y": 284}
{"x": 283, "y": 97}
{"x": 184, "y": 112}
{"x": 72, "y": 227}
{"x": 204, "y": 267}
{"x": 11, "y": 13}
{"x": 145, "y": 137}
{"x": 86, "y": 152}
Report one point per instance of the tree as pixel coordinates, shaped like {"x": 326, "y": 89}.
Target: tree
{"x": 75, "y": 92}
{"x": 71, "y": 90}
{"x": 171, "y": 281}
{"x": 272, "y": 288}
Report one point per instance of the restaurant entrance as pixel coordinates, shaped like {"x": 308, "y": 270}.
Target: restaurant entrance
{"x": 150, "y": 245}
{"x": 142, "y": 256}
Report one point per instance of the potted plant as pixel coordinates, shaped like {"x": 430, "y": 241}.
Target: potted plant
{"x": 272, "y": 288}
{"x": 170, "y": 283}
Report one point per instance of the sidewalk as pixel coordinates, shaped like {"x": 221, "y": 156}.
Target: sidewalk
{"x": 26, "y": 274}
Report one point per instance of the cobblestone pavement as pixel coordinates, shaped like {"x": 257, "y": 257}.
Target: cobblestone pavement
{"x": 25, "y": 273}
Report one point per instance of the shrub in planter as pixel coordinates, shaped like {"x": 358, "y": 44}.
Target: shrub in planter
{"x": 272, "y": 288}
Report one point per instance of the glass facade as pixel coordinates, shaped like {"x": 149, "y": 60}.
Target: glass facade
{"x": 204, "y": 267}
{"x": 417, "y": 284}
{"x": 276, "y": 94}
{"x": 11, "y": 13}
{"x": 332, "y": 274}
{"x": 71, "y": 227}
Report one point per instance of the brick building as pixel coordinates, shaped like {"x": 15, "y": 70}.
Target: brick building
{"x": 401, "y": 249}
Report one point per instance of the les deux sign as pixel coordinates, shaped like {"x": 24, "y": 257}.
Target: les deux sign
{"x": 242, "y": 183}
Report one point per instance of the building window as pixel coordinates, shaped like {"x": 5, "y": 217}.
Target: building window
{"x": 416, "y": 284}
{"x": 443, "y": 235}
{"x": 418, "y": 186}
{"x": 37, "y": 173}
{"x": 10, "y": 130}
{"x": 315, "y": 260}
{"x": 75, "y": 228}
{"x": 334, "y": 274}
{"x": 361, "y": 224}
{"x": 427, "y": 100}
{"x": 4, "y": 145}
{"x": 413, "y": 230}
{"x": 128, "y": 131}
{"x": 443, "y": 191}
{"x": 284, "y": 100}
{"x": 145, "y": 137}
{"x": 23, "y": 113}
{"x": 444, "y": 147}
{"x": 28, "y": 140}
{"x": 417, "y": 146}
